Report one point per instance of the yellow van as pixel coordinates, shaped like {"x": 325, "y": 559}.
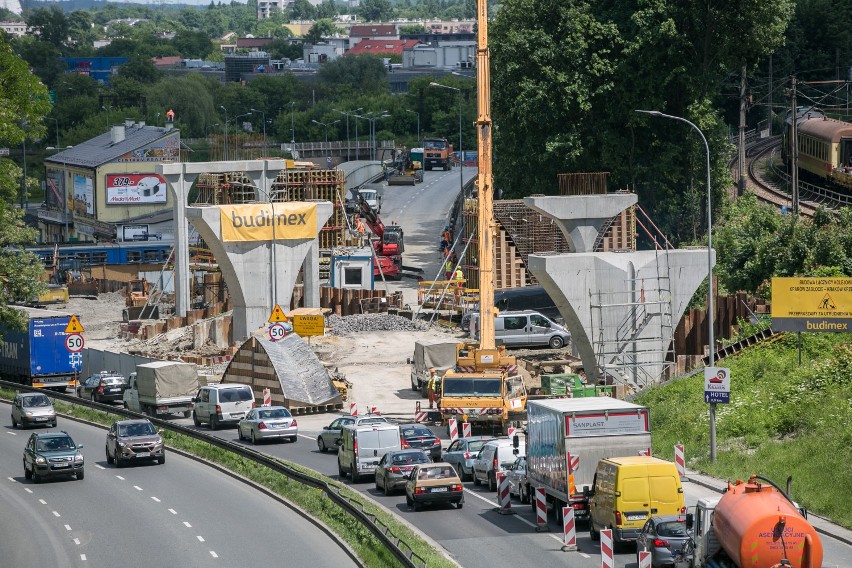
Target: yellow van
{"x": 628, "y": 491}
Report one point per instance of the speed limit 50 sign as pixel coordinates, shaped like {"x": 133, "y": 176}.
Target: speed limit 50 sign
{"x": 74, "y": 342}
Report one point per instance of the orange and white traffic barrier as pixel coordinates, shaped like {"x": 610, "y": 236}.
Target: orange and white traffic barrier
{"x": 353, "y": 409}
{"x": 454, "y": 430}
{"x": 374, "y": 410}
{"x": 419, "y": 415}
{"x": 569, "y": 529}
{"x": 540, "y": 509}
{"x": 267, "y": 397}
{"x": 504, "y": 499}
{"x": 644, "y": 559}
{"x": 680, "y": 464}
{"x": 607, "y": 560}
{"x": 465, "y": 429}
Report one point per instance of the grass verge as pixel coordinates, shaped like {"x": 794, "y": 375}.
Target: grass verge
{"x": 313, "y": 501}
{"x": 784, "y": 419}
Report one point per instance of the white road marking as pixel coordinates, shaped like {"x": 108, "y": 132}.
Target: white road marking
{"x": 99, "y": 466}
{"x": 121, "y": 478}
{"x": 12, "y": 479}
{"x": 300, "y": 435}
{"x": 200, "y": 538}
{"x": 523, "y": 520}
{"x": 12, "y": 433}
{"x": 77, "y": 541}
{"x": 42, "y": 501}
{"x": 67, "y": 527}
{"x": 155, "y": 499}
{"x": 56, "y": 514}
{"x": 187, "y": 525}
{"x": 213, "y": 554}
{"x": 28, "y": 490}
{"x": 172, "y": 511}
{"x": 584, "y": 555}
{"x": 137, "y": 488}
{"x": 82, "y": 557}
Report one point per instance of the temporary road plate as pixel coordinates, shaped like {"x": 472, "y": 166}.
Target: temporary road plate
{"x": 74, "y": 342}
{"x": 74, "y": 326}
{"x": 277, "y": 315}
{"x": 277, "y": 332}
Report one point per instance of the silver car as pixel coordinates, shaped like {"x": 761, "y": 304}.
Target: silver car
{"x": 662, "y": 536}
{"x": 329, "y": 436}
{"x": 134, "y": 440}
{"x": 517, "y": 474}
{"x": 462, "y": 453}
{"x": 266, "y": 423}
{"x": 32, "y": 409}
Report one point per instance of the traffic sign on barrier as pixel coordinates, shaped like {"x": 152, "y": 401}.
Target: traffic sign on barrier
{"x": 74, "y": 342}
{"x": 607, "y": 560}
{"x": 569, "y": 529}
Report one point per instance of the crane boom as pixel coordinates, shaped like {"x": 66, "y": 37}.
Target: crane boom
{"x": 484, "y": 181}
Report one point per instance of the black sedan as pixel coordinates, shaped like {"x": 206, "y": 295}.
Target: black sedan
{"x": 103, "y": 387}
{"x": 419, "y": 437}
{"x": 661, "y": 536}
{"x": 395, "y": 467}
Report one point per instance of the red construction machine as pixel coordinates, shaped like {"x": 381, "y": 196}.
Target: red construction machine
{"x": 388, "y": 244}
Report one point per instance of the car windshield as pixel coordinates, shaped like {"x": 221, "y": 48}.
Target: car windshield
{"x": 375, "y": 420}
{"x": 140, "y": 429}
{"x": 234, "y": 395}
{"x": 113, "y": 381}
{"x": 434, "y": 144}
{"x": 416, "y": 431}
{"x": 38, "y": 400}
{"x": 476, "y": 445}
{"x": 410, "y": 457}
{"x": 435, "y": 473}
{"x": 55, "y": 444}
{"x": 274, "y": 413}
{"x": 471, "y": 387}
{"x": 671, "y": 528}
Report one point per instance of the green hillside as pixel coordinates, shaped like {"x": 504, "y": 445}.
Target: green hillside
{"x": 783, "y": 419}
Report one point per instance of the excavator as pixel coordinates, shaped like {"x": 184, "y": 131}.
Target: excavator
{"x": 388, "y": 246}
{"x": 484, "y": 388}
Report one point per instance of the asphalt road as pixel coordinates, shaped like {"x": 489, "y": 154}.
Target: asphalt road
{"x": 181, "y": 513}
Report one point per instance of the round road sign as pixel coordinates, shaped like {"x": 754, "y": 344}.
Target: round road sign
{"x": 277, "y": 332}
{"x": 74, "y": 342}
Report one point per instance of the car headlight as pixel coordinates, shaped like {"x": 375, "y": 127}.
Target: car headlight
{"x": 158, "y": 444}
{"x": 78, "y": 458}
{"x": 121, "y": 444}
{"x": 40, "y": 459}
{"x": 28, "y": 413}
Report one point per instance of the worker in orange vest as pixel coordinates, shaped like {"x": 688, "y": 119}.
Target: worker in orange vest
{"x": 360, "y": 229}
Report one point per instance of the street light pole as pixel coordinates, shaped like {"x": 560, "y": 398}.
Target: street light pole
{"x": 461, "y": 150}
{"x": 347, "y": 115}
{"x": 264, "y": 128}
{"x": 226, "y": 131}
{"x": 710, "y": 311}
{"x": 237, "y": 135}
{"x": 326, "y": 124}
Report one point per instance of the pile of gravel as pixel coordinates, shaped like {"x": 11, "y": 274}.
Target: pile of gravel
{"x": 347, "y": 325}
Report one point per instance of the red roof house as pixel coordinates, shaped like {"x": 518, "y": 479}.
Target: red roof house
{"x": 382, "y": 46}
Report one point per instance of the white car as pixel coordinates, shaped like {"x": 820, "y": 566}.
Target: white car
{"x": 267, "y": 423}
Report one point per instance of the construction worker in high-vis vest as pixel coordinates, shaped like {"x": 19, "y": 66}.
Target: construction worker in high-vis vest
{"x": 431, "y": 387}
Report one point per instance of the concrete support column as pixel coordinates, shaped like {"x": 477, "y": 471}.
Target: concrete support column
{"x": 310, "y": 273}
{"x": 180, "y": 183}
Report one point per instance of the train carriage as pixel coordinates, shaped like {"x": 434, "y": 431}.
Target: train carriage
{"x": 825, "y": 147}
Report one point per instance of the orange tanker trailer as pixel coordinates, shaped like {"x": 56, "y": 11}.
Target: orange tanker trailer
{"x": 752, "y": 525}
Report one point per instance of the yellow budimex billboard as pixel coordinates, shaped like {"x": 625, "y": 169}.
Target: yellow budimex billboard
{"x": 812, "y": 304}
{"x": 268, "y": 221}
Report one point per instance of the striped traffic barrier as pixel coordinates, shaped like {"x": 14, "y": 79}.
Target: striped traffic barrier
{"x": 645, "y": 452}
{"x": 465, "y": 429}
{"x": 353, "y": 409}
{"x": 644, "y": 559}
{"x": 454, "y": 430}
{"x": 267, "y": 397}
{"x": 504, "y": 499}
{"x": 569, "y": 529}
{"x": 607, "y": 560}
{"x": 540, "y": 510}
{"x": 511, "y": 431}
{"x": 374, "y": 410}
{"x": 419, "y": 416}
{"x": 680, "y": 464}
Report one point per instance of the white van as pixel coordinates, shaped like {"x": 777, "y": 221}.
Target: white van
{"x": 225, "y": 403}
{"x": 524, "y": 329}
{"x": 496, "y": 455}
{"x": 362, "y": 447}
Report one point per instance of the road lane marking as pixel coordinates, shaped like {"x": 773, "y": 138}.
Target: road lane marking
{"x": 137, "y": 488}
{"x": 213, "y": 554}
{"x": 155, "y": 499}
{"x": 523, "y": 520}
{"x": 300, "y": 435}
{"x": 77, "y": 541}
{"x": 12, "y": 479}
{"x": 187, "y": 525}
{"x": 12, "y": 433}
{"x": 121, "y": 478}
{"x": 200, "y": 538}
{"x": 56, "y": 514}
{"x": 172, "y": 511}
{"x": 42, "y": 501}
{"x": 99, "y": 466}
{"x": 82, "y": 557}
{"x": 28, "y": 490}
{"x": 67, "y": 527}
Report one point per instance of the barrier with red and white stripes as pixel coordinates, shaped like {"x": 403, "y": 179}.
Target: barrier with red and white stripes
{"x": 573, "y": 461}
{"x": 217, "y": 360}
{"x": 419, "y": 415}
{"x": 644, "y": 559}
{"x": 353, "y": 409}
{"x": 504, "y": 499}
{"x": 607, "y": 560}
{"x": 511, "y": 431}
{"x": 569, "y": 529}
{"x": 454, "y": 430}
{"x": 540, "y": 509}
{"x": 267, "y": 397}
{"x": 465, "y": 429}
{"x": 680, "y": 464}
{"x": 374, "y": 410}
{"x": 645, "y": 452}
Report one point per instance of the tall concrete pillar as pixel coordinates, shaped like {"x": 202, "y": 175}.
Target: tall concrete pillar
{"x": 180, "y": 182}
{"x": 310, "y": 273}
{"x": 580, "y": 217}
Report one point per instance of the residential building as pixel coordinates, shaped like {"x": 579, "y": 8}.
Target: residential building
{"x": 236, "y": 66}
{"x": 382, "y": 47}
{"x": 360, "y": 32}
{"x": 440, "y": 55}
{"x": 16, "y": 29}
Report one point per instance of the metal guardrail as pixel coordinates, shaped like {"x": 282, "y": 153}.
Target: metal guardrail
{"x": 398, "y": 547}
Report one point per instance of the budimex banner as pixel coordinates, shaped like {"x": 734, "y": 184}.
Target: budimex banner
{"x": 812, "y": 304}
{"x": 269, "y": 221}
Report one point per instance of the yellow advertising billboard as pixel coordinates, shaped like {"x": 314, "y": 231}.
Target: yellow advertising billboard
{"x": 812, "y": 304}
{"x": 268, "y": 221}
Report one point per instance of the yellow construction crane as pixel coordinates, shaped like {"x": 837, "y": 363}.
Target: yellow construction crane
{"x": 480, "y": 389}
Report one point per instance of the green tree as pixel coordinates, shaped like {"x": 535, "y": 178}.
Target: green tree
{"x": 191, "y": 98}
{"x": 320, "y": 30}
{"x": 411, "y": 29}
{"x": 283, "y": 49}
{"x": 271, "y": 28}
{"x": 24, "y": 101}
{"x": 376, "y": 10}
{"x": 44, "y": 58}
{"x": 140, "y": 69}
{"x": 192, "y": 44}
{"x": 80, "y": 30}
{"x": 327, "y": 9}
{"x": 303, "y": 10}
{"x": 50, "y": 25}
{"x": 362, "y": 73}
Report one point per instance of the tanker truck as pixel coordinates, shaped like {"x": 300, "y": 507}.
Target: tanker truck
{"x": 754, "y": 524}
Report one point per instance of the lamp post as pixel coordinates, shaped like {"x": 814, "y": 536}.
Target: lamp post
{"x": 371, "y": 120}
{"x": 710, "y": 313}
{"x": 107, "y": 109}
{"x": 292, "y": 127}
{"x": 418, "y": 123}
{"x": 326, "y": 124}
{"x": 347, "y": 115}
{"x": 237, "y": 135}
{"x": 226, "y": 131}
{"x": 56, "y": 122}
{"x": 264, "y": 128}
{"x": 461, "y": 150}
